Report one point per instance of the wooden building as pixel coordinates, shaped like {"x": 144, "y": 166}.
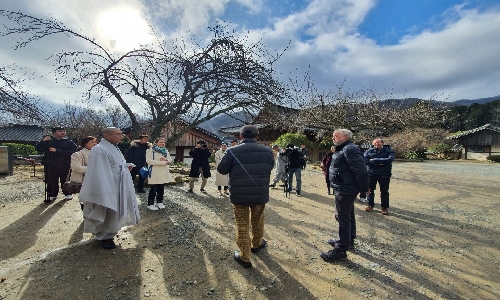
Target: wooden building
{"x": 479, "y": 143}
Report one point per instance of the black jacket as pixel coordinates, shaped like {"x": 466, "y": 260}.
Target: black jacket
{"x": 249, "y": 167}
{"x": 296, "y": 158}
{"x": 347, "y": 172}
{"x": 200, "y": 159}
{"x": 379, "y": 162}
{"x": 62, "y": 157}
{"x": 136, "y": 154}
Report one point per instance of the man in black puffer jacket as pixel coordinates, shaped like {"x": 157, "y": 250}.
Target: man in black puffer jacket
{"x": 348, "y": 177}
{"x": 249, "y": 167}
{"x": 379, "y": 160}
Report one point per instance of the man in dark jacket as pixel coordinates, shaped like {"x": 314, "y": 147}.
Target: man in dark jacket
{"x": 348, "y": 177}
{"x": 137, "y": 155}
{"x": 249, "y": 167}
{"x": 379, "y": 160}
{"x": 199, "y": 165}
{"x": 295, "y": 164}
{"x": 56, "y": 160}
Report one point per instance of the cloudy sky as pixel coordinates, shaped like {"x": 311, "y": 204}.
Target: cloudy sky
{"x": 442, "y": 49}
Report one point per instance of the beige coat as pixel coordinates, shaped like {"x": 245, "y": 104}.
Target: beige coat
{"x": 79, "y": 165}
{"x": 220, "y": 180}
{"x": 160, "y": 172}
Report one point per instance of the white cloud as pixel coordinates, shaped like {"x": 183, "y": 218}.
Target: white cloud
{"x": 459, "y": 58}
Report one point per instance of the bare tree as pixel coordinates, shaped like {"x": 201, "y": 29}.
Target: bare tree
{"x": 16, "y": 103}
{"x": 189, "y": 85}
{"x": 366, "y": 113}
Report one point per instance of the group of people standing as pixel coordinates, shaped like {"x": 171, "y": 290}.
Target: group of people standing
{"x": 243, "y": 173}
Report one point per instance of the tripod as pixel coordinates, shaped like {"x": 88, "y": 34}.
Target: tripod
{"x": 47, "y": 168}
{"x": 287, "y": 176}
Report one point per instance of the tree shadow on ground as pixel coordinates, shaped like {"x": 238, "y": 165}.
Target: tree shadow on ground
{"x": 21, "y": 235}
{"x": 66, "y": 274}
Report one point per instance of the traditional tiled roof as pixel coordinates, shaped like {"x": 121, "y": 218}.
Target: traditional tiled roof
{"x": 465, "y": 133}
{"x": 21, "y": 133}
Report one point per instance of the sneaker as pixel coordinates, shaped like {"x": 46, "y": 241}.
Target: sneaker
{"x": 368, "y": 208}
{"x": 384, "y": 211}
{"x": 297, "y": 193}
{"x": 68, "y": 197}
{"x": 152, "y": 207}
{"x": 333, "y": 255}
{"x": 262, "y": 246}
{"x": 363, "y": 200}
{"x": 52, "y": 198}
{"x": 160, "y": 205}
{"x": 189, "y": 191}
{"x": 244, "y": 264}
{"x": 335, "y": 243}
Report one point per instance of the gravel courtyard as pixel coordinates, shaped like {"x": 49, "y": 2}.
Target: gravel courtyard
{"x": 441, "y": 240}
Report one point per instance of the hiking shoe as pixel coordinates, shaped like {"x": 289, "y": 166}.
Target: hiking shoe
{"x": 333, "y": 255}
{"x": 262, "y": 246}
{"x": 363, "y": 200}
{"x": 384, "y": 211}
{"x": 368, "y": 208}
{"x": 152, "y": 207}
{"x": 335, "y": 243}
{"x": 160, "y": 205}
{"x": 244, "y": 264}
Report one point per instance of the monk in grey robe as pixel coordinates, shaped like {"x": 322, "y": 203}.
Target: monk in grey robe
{"x": 107, "y": 192}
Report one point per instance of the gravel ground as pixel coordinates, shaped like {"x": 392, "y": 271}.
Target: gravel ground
{"x": 440, "y": 241}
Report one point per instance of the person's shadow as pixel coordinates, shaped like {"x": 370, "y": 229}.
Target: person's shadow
{"x": 22, "y": 234}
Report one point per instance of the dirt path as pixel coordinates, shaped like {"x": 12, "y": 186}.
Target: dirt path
{"x": 440, "y": 241}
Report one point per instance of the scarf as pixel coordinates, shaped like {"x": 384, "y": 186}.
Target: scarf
{"x": 161, "y": 150}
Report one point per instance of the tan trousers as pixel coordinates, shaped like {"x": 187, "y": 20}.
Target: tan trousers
{"x": 193, "y": 179}
{"x": 244, "y": 215}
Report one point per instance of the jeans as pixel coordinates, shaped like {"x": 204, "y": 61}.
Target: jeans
{"x": 383, "y": 182}
{"x": 344, "y": 214}
{"x": 298, "y": 178}
{"x": 156, "y": 190}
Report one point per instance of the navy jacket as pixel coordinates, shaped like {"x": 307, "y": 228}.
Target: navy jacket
{"x": 136, "y": 154}
{"x": 379, "y": 162}
{"x": 249, "y": 167}
{"x": 62, "y": 157}
{"x": 348, "y": 173}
